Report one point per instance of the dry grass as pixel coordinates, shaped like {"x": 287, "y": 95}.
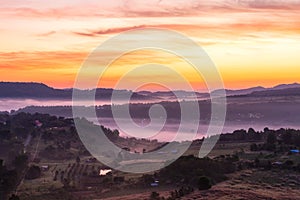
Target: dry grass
{"x": 244, "y": 185}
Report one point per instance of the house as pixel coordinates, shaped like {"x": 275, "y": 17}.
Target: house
{"x": 155, "y": 183}
{"x": 45, "y": 168}
{"x": 294, "y": 151}
{"x": 104, "y": 172}
{"x": 38, "y": 124}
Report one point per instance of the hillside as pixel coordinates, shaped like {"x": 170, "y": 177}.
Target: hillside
{"x": 42, "y": 91}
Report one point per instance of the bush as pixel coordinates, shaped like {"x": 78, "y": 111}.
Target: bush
{"x": 154, "y": 196}
{"x": 253, "y": 147}
{"x": 289, "y": 163}
{"x": 14, "y": 197}
{"x": 204, "y": 183}
{"x": 34, "y": 172}
{"x": 191, "y": 168}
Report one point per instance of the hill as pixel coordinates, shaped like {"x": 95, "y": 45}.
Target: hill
{"x": 22, "y": 90}
{"x": 42, "y": 91}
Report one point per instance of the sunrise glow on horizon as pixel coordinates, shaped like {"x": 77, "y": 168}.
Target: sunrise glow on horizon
{"x": 251, "y": 42}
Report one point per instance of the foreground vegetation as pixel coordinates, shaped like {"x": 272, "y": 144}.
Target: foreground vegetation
{"x": 42, "y": 157}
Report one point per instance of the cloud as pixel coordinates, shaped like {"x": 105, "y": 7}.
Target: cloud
{"x": 109, "y": 31}
{"x": 46, "y": 34}
{"x": 56, "y": 13}
{"x": 233, "y": 28}
{"x": 40, "y": 59}
{"x": 196, "y": 8}
{"x": 137, "y": 8}
{"x": 94, "y": 33}
{"x": 270, "y": 4}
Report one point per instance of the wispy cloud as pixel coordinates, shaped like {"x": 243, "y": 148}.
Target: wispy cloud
{"x": 108, "y": 31}
{"x": 41, "y": 60}
{"x": 46, "y": 34}
{"x": 227, "y": 29}
{"x": 270, "y": 4}
{"x": 137, "y": 8}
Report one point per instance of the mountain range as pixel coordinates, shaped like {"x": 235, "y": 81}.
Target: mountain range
{"x": 41, "y": 91}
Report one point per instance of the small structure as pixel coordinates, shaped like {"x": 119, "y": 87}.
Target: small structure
{"x": 45, "y": 168}
{"x": 38, "y": 124}
{"x": 104, "y": 172}
{"x": 295, "y": 151}
{"x": 155, "y": 183}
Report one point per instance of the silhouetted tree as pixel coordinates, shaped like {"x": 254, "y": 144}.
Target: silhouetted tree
{"x": 33, "y": 172}
{"x": 78, "y": 159}
{"x": 14, "y": 197}
{"x": 271, "y": 139}
{"x": 154, "y": 196}
{"x": 253, "y": 147}
{"x": 251, "y": 131}
{"x": 204, "y": 183}
{"x": 20, "y": 162}
{"x": 287, "y": 137}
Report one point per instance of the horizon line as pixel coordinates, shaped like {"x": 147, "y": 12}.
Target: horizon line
{"x": 68, "y": 88}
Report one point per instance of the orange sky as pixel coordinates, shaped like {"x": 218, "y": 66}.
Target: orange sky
{"x": 252, "y": 42}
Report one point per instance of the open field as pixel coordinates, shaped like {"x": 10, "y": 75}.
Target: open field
{"x": 51, "y": 163}
{"x": 244, "y": 185}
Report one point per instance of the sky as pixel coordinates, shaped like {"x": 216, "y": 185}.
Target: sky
{"x": 251, "y": 42}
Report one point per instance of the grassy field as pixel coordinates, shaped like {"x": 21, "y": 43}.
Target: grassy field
{"x": 221, "y": 149}
{"x": 245, "y": 184}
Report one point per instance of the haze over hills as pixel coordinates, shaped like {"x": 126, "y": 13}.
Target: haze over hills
{"x": 277, "y": 105}
{"x": 42, "y": 91}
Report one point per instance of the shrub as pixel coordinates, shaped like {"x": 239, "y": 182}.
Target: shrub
{"x": 34, "y": 172}
{"x": 154, "y": 196}
{"x": 204, "y": 183}
{"x": 14, "y": 197}
{"x": 253, "y": 147}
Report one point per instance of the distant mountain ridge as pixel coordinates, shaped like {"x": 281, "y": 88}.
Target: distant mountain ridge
{"x": 276, "y": 92}
{"x": 42, "y": 91}
{"x": 287, "y": 86}
{"x": 240, "y": 91}
{"x": 34, "y": 90}
{"x": 259, "y": 90}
